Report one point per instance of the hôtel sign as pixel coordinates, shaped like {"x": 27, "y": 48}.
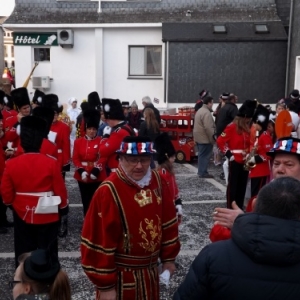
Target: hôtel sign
{"x": 35, "y": 39}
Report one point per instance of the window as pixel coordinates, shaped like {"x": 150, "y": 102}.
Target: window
{"x": 220, "y": 29}
{"x": 41, "y": 54}
{"x": 12, "y": 51}
{"x": 145, "y": 61}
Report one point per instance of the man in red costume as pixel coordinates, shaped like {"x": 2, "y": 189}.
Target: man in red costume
{"x": 130, "y": 224}
{"x": 114, "y": 134}
{"x": 29, "y": 183}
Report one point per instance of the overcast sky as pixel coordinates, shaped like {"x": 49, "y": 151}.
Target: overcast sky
{"x": 6, "y": 7}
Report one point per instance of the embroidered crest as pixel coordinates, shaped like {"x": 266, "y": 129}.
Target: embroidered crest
{"x": 223, "y": 134}
{"x": 143, "y": 197}
{"x": 151, "y": 234}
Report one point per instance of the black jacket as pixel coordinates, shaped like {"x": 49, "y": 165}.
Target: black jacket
{"x": 260, "y": 262}
{"x": 225, "y": 116}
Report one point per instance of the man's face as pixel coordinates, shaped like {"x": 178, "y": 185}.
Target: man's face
{"x": 286, "y": 165}
{"x": 134, "y": 110}
{"x": 25, "y": 110}
{"x": 135, "y": 167}
{"x": 210, "y": 104}
{"x": 74, "y": 104}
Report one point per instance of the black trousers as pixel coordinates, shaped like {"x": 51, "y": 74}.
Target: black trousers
{"x": 3, "y": 217}
{"x": 237, "y": 183}
{"x": 29, "y": 237}
{"x": 87, "y": 191}
{"x": 256, "y": 184}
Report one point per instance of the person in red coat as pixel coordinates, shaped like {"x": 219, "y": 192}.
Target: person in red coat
{"x": 165, "y": 155}
{"x": 22, "y": 102}
{"x": 113, "y": 134}
{"x": 48, "y": 147}
{"x": 130, "y": 224}
{"x": 234, "y": 142}
{"x": 259, "y": 161}
{"x": 3, "y": 217}
{"x": 59, "y": 134}
{"x": 86, "y": 154}
{"x": 8, "y": 107}
{"x": 29, "y": 183}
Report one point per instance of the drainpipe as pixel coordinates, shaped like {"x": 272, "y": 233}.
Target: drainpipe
{"x": 99, "y": 7}
{"x": 289, "y": 49}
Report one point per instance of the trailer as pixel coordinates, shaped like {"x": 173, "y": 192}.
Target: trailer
{"x": 180, "y": 129}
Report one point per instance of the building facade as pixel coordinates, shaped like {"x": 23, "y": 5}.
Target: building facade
{"x": 168, "y": 49}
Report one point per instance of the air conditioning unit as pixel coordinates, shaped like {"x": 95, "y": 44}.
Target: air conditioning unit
{"x": 42, "y": 82}
{"x": 65, "y": 38}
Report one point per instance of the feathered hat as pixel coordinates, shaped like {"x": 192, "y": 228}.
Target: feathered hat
{"x": 91, "y": 118}
{"x": 261, "y": 116}
{"x": 7, "y": 101}
{"x": 94, "y": 100}
{"x": 247, "y": 109}
{"x": 204, "y": 93}
{"x": 164, "y": 148}
{"x": 136, "y": 145}
{"x": 38, "y": 97}
{"x": 20, "y": 97}
{"x": 32, "y": 132}
{"x": 112, "y": 109}
{"x": 50, "y": 101}
{"x": 45, "y": 113}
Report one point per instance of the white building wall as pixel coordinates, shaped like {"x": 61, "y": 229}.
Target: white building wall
{"x": 98, "y": 61}
{"x": 116, "y": 82}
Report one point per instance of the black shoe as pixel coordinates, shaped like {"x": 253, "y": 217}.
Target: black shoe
{"x": 3, "y": 230}
{"x": 63, "y": 227}
{"x": 207, "y": 176}
{"x": 222, "y": 176}
{"x": 8, "y": 224}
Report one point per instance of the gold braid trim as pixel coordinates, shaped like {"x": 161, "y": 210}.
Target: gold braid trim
{"x": 90, "y": 269}
{"x": 170, "y": 242}
{"x": 169, "y": 223}
{"x": 97, "y": 248}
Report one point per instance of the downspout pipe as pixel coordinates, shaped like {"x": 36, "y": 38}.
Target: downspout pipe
{"x": 287, "y": 77}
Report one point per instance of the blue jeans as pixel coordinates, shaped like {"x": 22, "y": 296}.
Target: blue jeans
{"x": 204, "y": 155}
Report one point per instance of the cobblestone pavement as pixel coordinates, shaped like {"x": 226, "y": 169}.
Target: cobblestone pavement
{"x": 200, "y": 196}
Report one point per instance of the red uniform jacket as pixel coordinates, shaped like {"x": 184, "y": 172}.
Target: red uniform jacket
{"x": 32, "y": 173}
{"x": 62, "y": 142}
{"x": 11, "y": 131}
{"x": 86, "y": 155}
{"x": 130, "y": 227}
{"x": 171, "y": 182}
{"x": 109, "y": 146}
{"x": 48, "y": 148}
{"x": 262, "y": 160}
{"x": 238, "y": 144}
{"x": 6, "y": 114}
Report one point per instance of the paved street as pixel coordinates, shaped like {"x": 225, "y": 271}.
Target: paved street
{"x": 200, "y": 196}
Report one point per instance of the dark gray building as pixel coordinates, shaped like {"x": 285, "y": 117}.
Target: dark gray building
{"x": 238, "y": 46}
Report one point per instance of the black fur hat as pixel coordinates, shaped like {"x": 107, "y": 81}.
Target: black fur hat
{"x": 91, "y": 118}
{"x": 7, "y": 101}
{"x": 2, "y": 94}
{"x": 38, "y": 97}
{"x": 32, "y": 133}
{"x": 204, "y": 93}
{"x": 50, "y": 101}
{"x": 45, "y": 113}
{"x": 261, "y": 116}
{"x": 94, "y": 100}
{"x": 112, "y": 109}
{"x": 20, "y": 97}
{"x": 84, "y": 106}
{"x": 164, "y": 148}
{"x": 294, "y": 94}
{"x": 247, "y": 109}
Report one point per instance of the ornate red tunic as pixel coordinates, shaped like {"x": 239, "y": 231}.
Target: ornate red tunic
{"x": 127, "y": 228}
{"x": 86, "y": 155}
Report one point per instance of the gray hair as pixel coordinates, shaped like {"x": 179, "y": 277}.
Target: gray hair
{"x": 146, "y": 99}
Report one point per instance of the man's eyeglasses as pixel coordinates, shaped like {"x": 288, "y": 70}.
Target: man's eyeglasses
{"x": 134, "y": 161}
{"x": 12, "y": 283}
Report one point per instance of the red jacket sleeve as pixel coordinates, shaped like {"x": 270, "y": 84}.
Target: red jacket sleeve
{"x": 219, "y": 233}
{"x": 102, "y": 231}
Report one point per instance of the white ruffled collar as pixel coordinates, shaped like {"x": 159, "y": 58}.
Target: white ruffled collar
{"x": 145, "y": 181}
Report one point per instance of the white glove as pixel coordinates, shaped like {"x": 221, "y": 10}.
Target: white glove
{"x": 231, "y": 158}
{"x": 84, "y": 175}
{"x": 252, "y": 160}
{"x": 107, "y": 130}
{"x": 179, "y": 210}
{"x": 93, "y": 177}
{"x": 164, "y": 277}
